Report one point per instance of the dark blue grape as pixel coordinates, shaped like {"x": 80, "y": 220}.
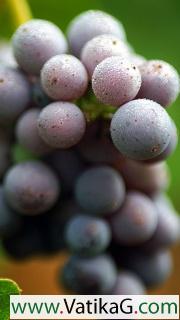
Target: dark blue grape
{"x": 96, "y": 275}
{"x": 100, "y": 190}
{"x": 39, "y": 97}
{"x": 87, "y": 236}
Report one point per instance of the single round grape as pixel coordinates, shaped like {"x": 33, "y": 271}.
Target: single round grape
{"x": 61, "y": 124}
{"x": 64, "y": 78}
{"x": 167, "y": 232}
{"x": 9, "y": 220}
{"x": 31, "y": 187}
{"x": 95, "y": 275}
{"x": 136, "y": 221}
{"x": 90, "y": 24}
{"x": 168, "y": 151}
{"x": 128, "y": 283}
{"x": 27, "y": 133}
{"x": 100, "y": 48}
{"x": 14, "y": 94}
{"x": 96, "y": 146}
{"x": 35, "y": 42}
{"x": 115, "y": 81}
{"x": 141, "y": 129}
{"x": 160, "y": 82}
{"x": 68, "y": 166}
{"x": 154, "y": 177}
{"x": 152, "y": 268}
{"x": 100, "y": 190}
{"x": 39, "y": 97}
{"x": 87, "y": 236}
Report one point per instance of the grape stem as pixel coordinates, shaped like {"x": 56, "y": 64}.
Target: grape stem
{"x": 20, "y": 11}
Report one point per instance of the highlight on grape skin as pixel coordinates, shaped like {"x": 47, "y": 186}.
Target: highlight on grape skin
{"x": 64, "y": 78}
{"x": 35, "y": 42}
{"x": 115, "y": 81}
{"x": 61, "y": 124}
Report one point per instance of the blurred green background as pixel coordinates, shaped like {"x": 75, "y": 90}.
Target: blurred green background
{"x": 153, "y": 29}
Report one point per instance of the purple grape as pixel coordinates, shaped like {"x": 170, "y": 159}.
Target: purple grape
{"x": 100, "y": 48}
{"x": 64, "y": 78}
{"x": 61, "y": 124}
{"x": 100, "y": 190}
{"x": 147, "y": 178}
{"x": 168, "y": 151}
{"x": 87, "y": 236}
{"x": 95, "y": 275}
{"x": 14, "y": 94}
{"x": 31, "y": 187}
{"x": 27, "y": 133}
{"x": 141, "y": 129}
{"x": 152, "y": 268}
{"x": 68, "y": 165}
{"x": 115, "y": 81}
{"x": 128, "y": 283}
{"x": 90, "y": 24}
{"x": 136, "y": 221}
{"x": 96, "y": 146}
{"x": 35, "y": 42}
{"x": 160, "y": 82}
{"x": 167, "y": 232}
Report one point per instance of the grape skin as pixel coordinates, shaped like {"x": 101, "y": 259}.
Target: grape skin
{"x": 9, "y": 220}
{"x": 27, "y": 133}
{"x": 39, "y": 97}
{"x": 87, "y": 236}
{"x": 68, "y": 166}
{"x": 31, "y": 187}
{"x": 14, "y": 94}
{"x": 95, "y": 275}
{"x": 61, "y": 124}
{"x": 64, "y": 78}
{"x": 141, "y": 129}
{"x": 35, "y": 42}
{"x": 167, "y": 232}
{"x": 154, "y": 177}
{"x": 136, "y": 221}
{"x": 115, "y": 81}
{"x": 90, "y": 24}
{"x": 160, "y": 82}
{"x": 128, "y": 283}
{"x": 100, "y": 48}
{"x": 100, "y": 190}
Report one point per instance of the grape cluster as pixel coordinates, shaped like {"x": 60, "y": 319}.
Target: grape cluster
{"x": 84, "y": 135}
